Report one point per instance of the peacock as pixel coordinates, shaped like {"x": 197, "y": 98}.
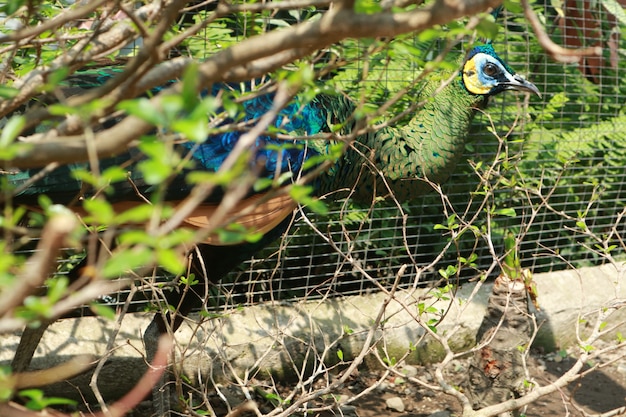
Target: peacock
{"x": 427, "y": 145}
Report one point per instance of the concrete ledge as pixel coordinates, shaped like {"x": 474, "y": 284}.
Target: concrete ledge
{"x": 280, "y": 338}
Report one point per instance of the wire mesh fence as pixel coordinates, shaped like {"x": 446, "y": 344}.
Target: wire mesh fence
{"x": 540, "y": 187}
{"x": 569, "y": 146}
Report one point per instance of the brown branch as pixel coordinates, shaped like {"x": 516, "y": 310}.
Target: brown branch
{"x": 193, "y": 30}
{"x": 67, "y": 370}
{"x": 100, "y": 45}
{"x": 283, "y": 5}
{"x": 123, "y": 405}
{"x": 37, "y": 269}
{"x": 253, "y": 56}
{"x": 65, "y": 305}
{"x": 164, "y": 72}
{"x": 146, "y": 383}
{"x": 59, "y": 20}
{"x": 139, "y": 64}
{"x": 556, "y": 51}
{"x": 122, "y": 85}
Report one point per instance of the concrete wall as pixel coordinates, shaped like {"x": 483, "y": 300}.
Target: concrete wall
{"x": 279, "y": 338}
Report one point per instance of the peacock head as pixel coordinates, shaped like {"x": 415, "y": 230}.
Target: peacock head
{"x": 485, "y": 73}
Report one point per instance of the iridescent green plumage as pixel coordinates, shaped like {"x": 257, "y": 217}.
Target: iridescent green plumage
{"x": 430, "y": 144}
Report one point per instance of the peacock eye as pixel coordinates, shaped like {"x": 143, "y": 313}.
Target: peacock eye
{"x": 490, "y": 69}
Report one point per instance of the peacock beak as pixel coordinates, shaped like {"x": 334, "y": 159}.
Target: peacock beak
{"x": 518, "y": 83}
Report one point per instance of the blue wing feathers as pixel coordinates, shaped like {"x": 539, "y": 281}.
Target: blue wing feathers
{"x": 271, "y": 154}
{"x": 269, "y": 151}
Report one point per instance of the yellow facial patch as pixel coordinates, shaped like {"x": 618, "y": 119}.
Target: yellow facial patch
{"x": 471, "y": 80}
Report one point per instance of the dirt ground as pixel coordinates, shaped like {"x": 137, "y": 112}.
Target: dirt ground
{"x": 596, "y": 393}
{"x": 599, "y": 393}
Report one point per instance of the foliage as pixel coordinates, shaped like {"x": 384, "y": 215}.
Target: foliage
{"x": 573, "y": 145}
{"x": 561, "y": 169}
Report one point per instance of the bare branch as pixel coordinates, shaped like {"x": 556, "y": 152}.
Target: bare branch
{"x": 262, "y": 53}
{"x": 37, "y": 270}
{"x": 556, "y": 51}
{"x": 80, "y": 11}
{"x": 67, "y": 370}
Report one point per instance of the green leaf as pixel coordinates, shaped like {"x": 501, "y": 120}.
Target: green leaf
{"x": 429, "y": 35}
{"x": 44, "y": 201}
{"x": 154, "y": 172}
{"x": 36, "y": 307}
{"x": 196, "y": 130}
{"x": 6, "y": 383}
{"x": 85, "y": 176}
{"x": 136, "y": 214}
{"x": 190, "y": 87}
{"x": 143, "y": 109}
{"x": 135, "y": 237}
{"x": 284, "y": 177}
{"x": 114, "y": 174}
{"x": 421, "y": 307}
{"x": 513, "y": 6}
{"x": 11, "y": 130}
{"x": 124, "y": 261}
{"x": 302, "y": 195}
{"x": 172, "y": 107}
{"x": 487, "y": 27}
{"x": 253, "y": 237}
{"x": 190, "y": 280}
{"x": 450, "y": 271}
{"x": 199, "y": 177}
{"x": 57, "y": 288}
{"x": 587, "y": 348}
{"x": 8, "y": 92}
{"x": 233, "y": 234}
{"x": 11, "y": 6}
{"x": 367, "y": 6}
{"x": 262, "y": 183}
{"x": 99, "y": 210}
{"x": 316, "y": 160}
{"x": 102, "y": 311}
{"x": 508, "y": 212}
{"x": 55, "y": 78}
{"x": 232, "y": 108}
{"x": 110, "y": 175}
{"x": 59, "y": 109}
{"x": 171, "y": 261}
{"x": 616, "y": 9}
{"x": 340, "y": 354}
{"x": 299, "y": 192}
{"x": 37, "y": 401}
{"x": 452, "y": 223}
{"x": 390, "y": 361}
{"x": 175, "y": 238}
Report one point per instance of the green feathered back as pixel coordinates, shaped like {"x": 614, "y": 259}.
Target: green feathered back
{"x": 429, "y": 145}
